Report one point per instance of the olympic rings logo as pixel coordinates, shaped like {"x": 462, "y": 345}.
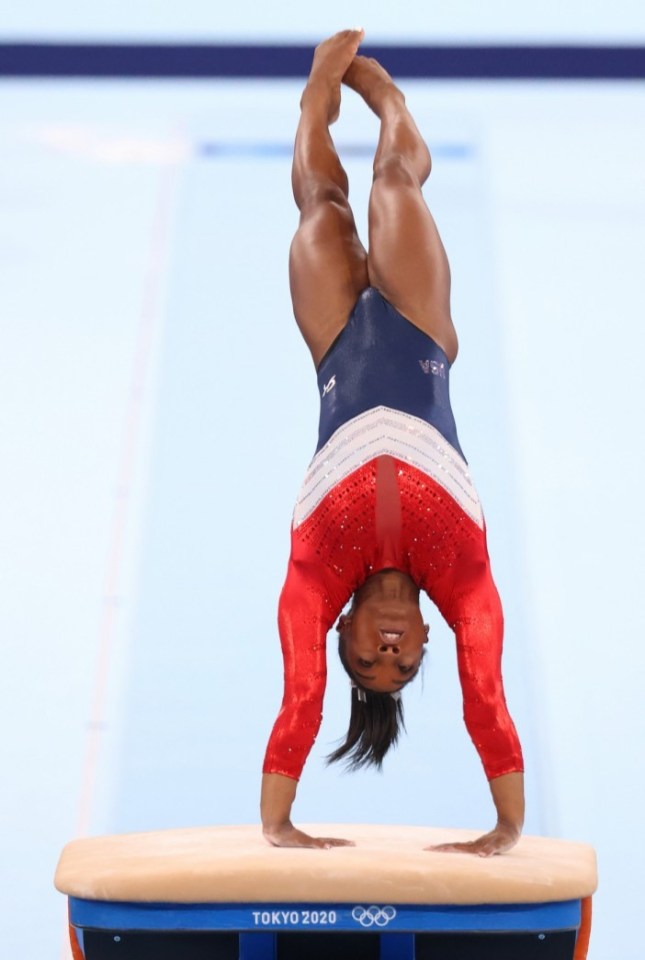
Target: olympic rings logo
{"x": 373, "y": 916}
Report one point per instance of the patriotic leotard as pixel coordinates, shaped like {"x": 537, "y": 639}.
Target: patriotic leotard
{"x": 388, "y": 488}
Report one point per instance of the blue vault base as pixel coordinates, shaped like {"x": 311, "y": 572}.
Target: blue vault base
{"x": 285, "y": 931}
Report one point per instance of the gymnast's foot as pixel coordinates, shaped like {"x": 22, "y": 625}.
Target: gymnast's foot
{"x": 373, "y": 83}
{"x": 332, "y": 57}
{"x": 399, "y": 133}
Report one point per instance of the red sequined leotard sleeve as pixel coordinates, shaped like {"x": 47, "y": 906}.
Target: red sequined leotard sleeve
{"x": 310, "y": 602}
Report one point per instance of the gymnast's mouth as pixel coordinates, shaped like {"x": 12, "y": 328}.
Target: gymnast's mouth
{"x": 391, "y": 636}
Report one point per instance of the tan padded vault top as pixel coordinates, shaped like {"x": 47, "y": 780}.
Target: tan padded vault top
{"x": 387, "y": 865}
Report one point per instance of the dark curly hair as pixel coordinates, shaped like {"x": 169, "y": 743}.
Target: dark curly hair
{"x": 375, "y": 723}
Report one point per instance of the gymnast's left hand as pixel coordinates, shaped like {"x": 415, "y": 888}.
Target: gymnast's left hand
{"x": 286, "y": 835}
{"x": 500, "y": 840}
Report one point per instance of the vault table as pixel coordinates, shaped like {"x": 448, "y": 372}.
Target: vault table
{"x": 223, "y": 893}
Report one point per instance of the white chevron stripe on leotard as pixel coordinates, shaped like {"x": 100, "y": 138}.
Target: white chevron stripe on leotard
{"x": 383, "y": 431}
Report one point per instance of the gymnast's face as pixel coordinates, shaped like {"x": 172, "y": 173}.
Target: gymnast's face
{"x": 384, "y": 643}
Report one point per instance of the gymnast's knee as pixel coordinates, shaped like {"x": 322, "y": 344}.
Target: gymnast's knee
{"x": 316, "y": 194}
{"x": 395, "y": 170}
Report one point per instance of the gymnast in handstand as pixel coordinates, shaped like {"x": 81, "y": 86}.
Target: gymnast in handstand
{"x": 387, "y": 507}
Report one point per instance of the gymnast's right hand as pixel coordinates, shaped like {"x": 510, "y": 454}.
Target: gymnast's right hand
{"x": 278, "y": 794}
{"x": 286, "y": 835}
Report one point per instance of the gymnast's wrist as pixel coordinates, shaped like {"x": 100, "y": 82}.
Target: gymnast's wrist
{"x": 510, "y": 828}
{"x": 275, "y": 821}
{"x": 275, "y": 830}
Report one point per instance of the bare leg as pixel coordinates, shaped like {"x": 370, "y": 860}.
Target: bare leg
{"x": 407, "y": 262}
{"x": 327, "y": 262}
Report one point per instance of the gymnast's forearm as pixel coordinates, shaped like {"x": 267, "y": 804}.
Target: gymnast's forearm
{"x": 278, "y": 794}
{"x": 508, "y": 797}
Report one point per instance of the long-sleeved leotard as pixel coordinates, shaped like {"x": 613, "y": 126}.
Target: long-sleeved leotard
{"x": 386, "y": 490}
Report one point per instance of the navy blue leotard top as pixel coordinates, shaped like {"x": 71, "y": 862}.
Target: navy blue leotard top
{"x": 381, "y": 359}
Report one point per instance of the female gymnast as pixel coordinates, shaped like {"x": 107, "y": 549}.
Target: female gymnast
{"x": 387, "y": 507}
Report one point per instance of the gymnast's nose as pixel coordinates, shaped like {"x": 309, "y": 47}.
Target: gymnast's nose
{"x": 388, "y": 648}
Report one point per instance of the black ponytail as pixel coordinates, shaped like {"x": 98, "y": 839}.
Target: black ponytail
{"x": 375, "y": 724}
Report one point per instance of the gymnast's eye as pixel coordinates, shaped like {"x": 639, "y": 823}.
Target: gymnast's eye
{"x": 365, "y": 663}
{"x": 405, "y": 670}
